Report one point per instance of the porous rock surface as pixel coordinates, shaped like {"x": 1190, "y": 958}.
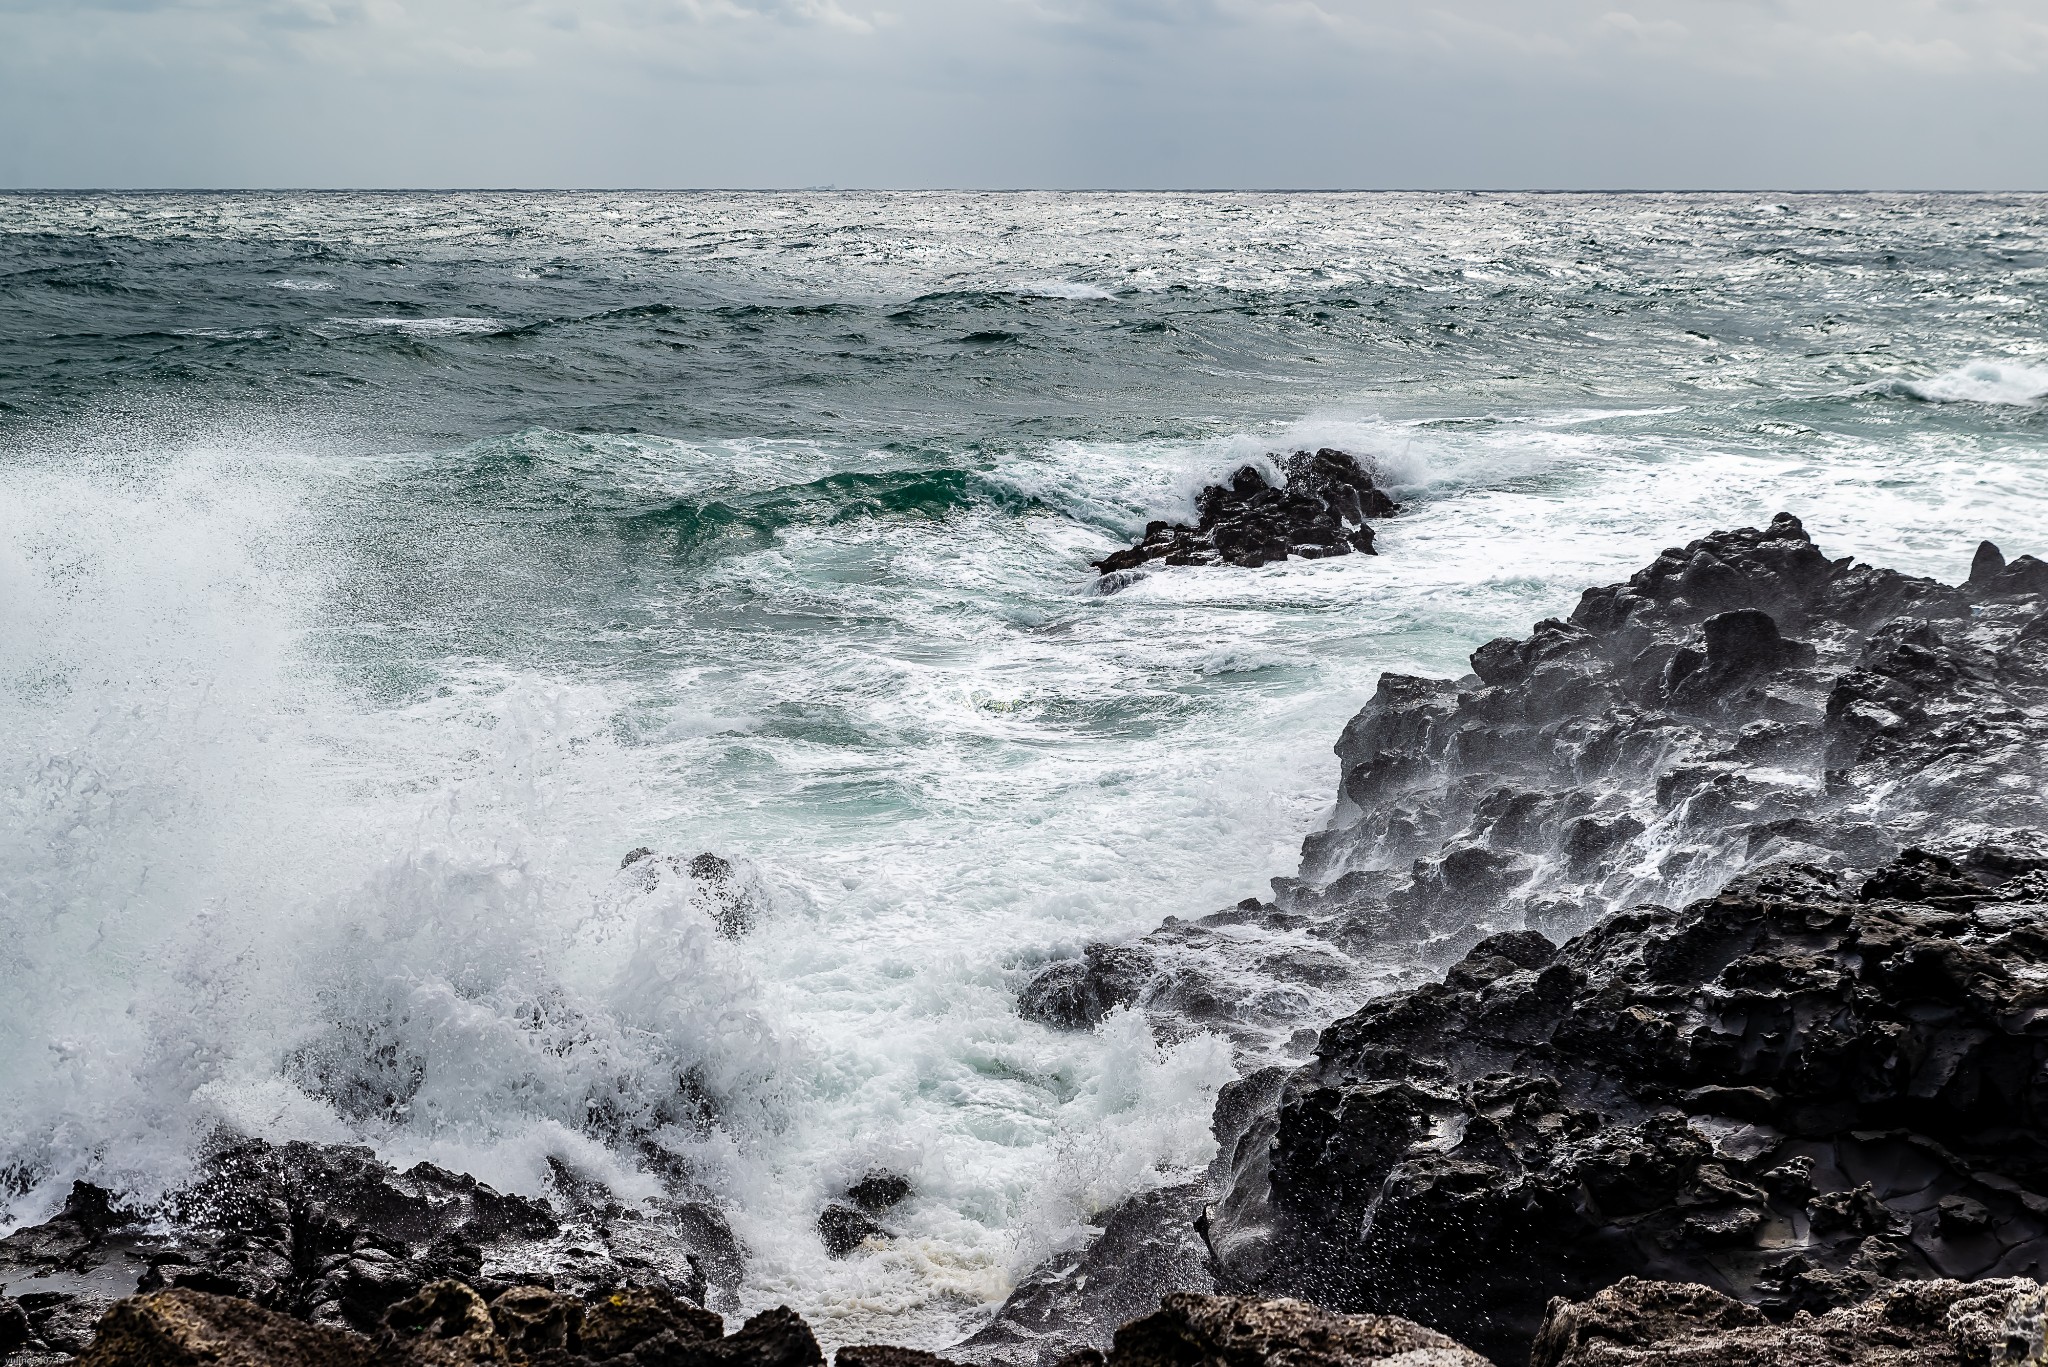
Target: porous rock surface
{"x": 448, "y": 1324}
{"x": 1941, "y": 1323}
{"x": 331, "y": 1235}
{"x": 1243, "y": 1331}
{"x": 1815, "y": 1079}
{"x": 1323, "y": 508}
{"x": 1743, "y": 699}
{"x": 1794, "y": 1092}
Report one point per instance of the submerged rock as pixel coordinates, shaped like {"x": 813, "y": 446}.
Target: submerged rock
{"x": 1324, "y": 508}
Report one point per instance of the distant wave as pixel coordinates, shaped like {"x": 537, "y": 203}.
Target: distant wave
{"x": 1991, "y": 382}
{"x": 1063, "y": 289}
{"x": 756, "y": 518}
{"x": 420, "y": 327}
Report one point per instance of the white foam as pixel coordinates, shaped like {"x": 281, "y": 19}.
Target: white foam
{"x": 1986, "y": 382}
{"x": 420, "y": 327}
{"x": 1064, "y": 289}
{"x": 310, "y": 286}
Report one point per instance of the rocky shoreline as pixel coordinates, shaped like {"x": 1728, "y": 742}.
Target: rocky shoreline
{"x": 1688, "y": 963}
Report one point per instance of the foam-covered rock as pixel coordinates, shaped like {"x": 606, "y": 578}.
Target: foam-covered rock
{"x": 1324, "y": 508}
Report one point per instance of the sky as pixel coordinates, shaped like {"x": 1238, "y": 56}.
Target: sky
{"x": 1511, "y": 94}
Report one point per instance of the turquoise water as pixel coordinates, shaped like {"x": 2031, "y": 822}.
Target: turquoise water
{"x": 377, "y": 570}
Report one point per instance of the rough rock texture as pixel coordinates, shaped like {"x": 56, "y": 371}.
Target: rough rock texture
{"x": 1794, "y": 1092}
{"x": 730, "y": 895}
{"x": 448, "y": 1324}
{"x": 1741, "y": 699}
{"x": 1784, "y": 1092}
{"x": 1322, "y": 510}
{"x": 1241, "y": 1331}
{"x": 331, "y": 1235}
{"x": 1637, "y": 1323}
{"x": 192, "y": 1328}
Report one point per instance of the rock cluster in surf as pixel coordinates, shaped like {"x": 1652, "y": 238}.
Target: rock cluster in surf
{"x": 1799, "y": 1090}
{"x": 1323, "y": 508}
{"x": 330, "y": 1234}
{"x": 1795, "y": 1092}
{"x": 1797, "y": 1118}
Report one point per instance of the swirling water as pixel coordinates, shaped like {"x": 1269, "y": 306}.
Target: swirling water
{"x": 376, "y": 570}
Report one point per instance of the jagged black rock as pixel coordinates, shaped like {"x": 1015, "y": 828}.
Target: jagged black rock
{"x": 1323, "y": 509}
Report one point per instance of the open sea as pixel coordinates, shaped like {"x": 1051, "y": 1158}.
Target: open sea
{"x": 377, "y": 570}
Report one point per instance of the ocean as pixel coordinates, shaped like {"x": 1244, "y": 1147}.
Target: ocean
{"x": 377, "y": 571}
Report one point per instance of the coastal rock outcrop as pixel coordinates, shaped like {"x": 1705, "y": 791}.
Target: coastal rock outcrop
{"x": 1814, "y": 1081}
{"x": 448, "y": 1324}
{"x": 1742, "y": 700}
{"x": 1941, "y": 1323}
{"x": 1795, "y": 1093}
{"x": 329, "y": 1234}
{"x": 1324, "y": 507}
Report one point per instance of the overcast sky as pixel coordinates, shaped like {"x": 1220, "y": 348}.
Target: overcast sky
{"x": 1135, "y": 93}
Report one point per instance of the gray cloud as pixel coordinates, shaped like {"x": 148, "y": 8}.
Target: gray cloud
{"x": 1767, "y": 93}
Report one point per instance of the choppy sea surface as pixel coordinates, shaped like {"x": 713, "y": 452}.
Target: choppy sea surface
{"x": 376, "y": 570}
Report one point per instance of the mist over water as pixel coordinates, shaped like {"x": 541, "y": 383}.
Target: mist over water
{"x": 377, "y": 571}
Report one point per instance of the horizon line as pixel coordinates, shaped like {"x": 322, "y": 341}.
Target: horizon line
{"x": 969, "y": 190}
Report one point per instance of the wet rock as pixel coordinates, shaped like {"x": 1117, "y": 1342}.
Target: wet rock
{"x": 1673, "y": 732}
{"x": 844, "y": 1228}
{"x": 619, "y": 1322}
{"x": 773, "y": 1338}
{"x": 1790, "y": 1093}
{"x": 1075, "y": 994}
{"x": 533, "y": 1320}
{"x": 1323, "y": 509}
{"x": 332, "y": 1235}
{"x": 1940, "y": 1323}
{"x": 1239, "y": 1331}
{"x": 1149, "y": 1247}
{"x": 881, "y": 1355}
{"x": 879, "y": 1190}
{"x": 185, "y": 1328}
{"x": 729, "y": 894}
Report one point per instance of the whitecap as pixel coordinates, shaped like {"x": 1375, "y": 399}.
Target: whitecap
{"x": 310, "y": 286}
{"x": 421, "y": 327}
{"x": 1991, "y": 382}
{"x": 1063, "y": 289}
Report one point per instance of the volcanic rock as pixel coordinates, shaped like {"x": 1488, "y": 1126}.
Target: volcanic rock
{"x": 844, "y": 1228}
{"x": 1075, "y": 994}
{"x": 330, "y": 1234}
{"x": 447, "y": 1324}
{"x": 186, "y": 1328}
{"x": 879, "y": 1190}
{"x": 1813, "y": 1081}
{"x": 1784, "y": 1093}
{"x": 1240, "y": 1331}
{"x": 1940, "y": 1323}
{"x": 1322, "y": 509}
